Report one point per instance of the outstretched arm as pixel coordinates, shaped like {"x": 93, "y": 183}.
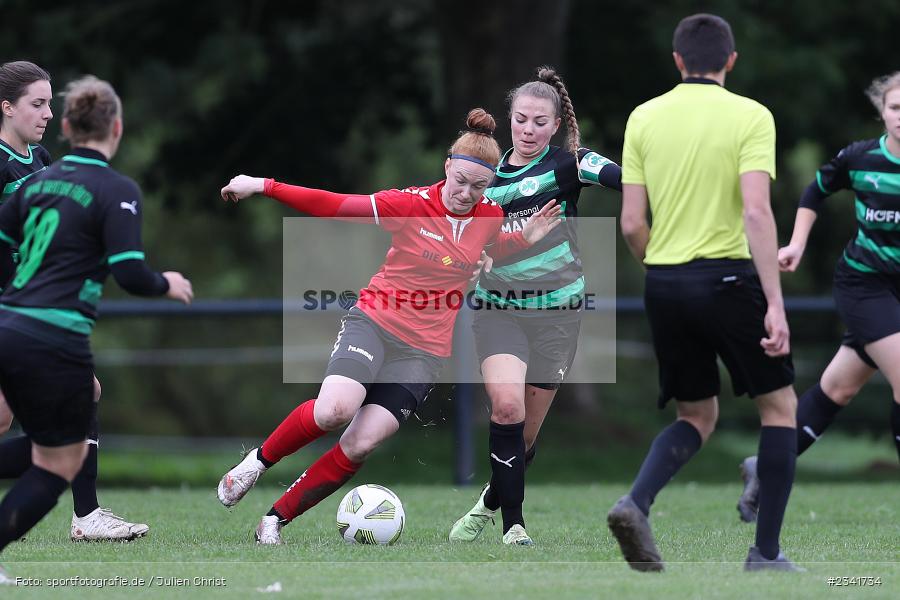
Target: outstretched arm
{"x": 317, "y": 203}
{"x": 596, "y": 169}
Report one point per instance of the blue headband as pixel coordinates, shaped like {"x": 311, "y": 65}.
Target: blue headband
{"x": 477, "y": 161}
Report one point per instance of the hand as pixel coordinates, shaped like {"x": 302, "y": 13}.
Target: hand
{"x": 484, "y": 264}
{"x": 242, "y": 186}
{"x": 542, "y": 222}
{"x": 779, "y": 341}
{"x": 789, "y": 257}
{"x": 179, "y": 288}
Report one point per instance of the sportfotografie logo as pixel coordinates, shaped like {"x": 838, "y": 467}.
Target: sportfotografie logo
{"x": 444, "y": 300}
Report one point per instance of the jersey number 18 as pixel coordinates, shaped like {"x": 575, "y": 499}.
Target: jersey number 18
{"x": 39, "y": 230}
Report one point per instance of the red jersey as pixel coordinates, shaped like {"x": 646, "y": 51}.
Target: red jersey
{"x": 418, "y": 291}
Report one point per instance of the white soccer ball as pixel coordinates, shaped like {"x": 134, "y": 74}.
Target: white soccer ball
{"x": 370, "y": 514}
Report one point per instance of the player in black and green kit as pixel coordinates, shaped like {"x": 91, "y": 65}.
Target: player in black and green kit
{"x": 866, "y": 279}
{"x": 26, "y": 92}
{"x": 73, "y": 224}
{"x": 25, "y": 95}
{"x": 527, "y": 331}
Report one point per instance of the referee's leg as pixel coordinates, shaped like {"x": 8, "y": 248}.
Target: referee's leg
{"x": 775, "y": 464}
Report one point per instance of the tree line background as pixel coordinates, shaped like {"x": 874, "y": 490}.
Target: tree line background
{"x": 361, "y": 95}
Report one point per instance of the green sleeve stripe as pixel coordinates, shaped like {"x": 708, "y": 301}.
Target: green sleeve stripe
{"x": 8, "y": 239}
{"x": 130, "y": 255}
{"x": 819, "y": 181}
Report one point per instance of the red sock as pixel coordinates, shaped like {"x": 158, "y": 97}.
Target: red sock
{"x": 321, "y": 479}
{"x": 297, "y": 430}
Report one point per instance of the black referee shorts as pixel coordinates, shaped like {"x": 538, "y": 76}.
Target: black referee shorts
{"x": 50, "y": 391}
{"x": 869, "y": 306}
{"x": 706, "y": 309}
{"x": 395, "y": 375}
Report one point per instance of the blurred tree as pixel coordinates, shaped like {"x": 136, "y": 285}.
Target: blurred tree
{"x": 360, "y": 95}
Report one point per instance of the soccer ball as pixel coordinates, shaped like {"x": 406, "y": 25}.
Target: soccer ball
{"x": 370, "y": 514}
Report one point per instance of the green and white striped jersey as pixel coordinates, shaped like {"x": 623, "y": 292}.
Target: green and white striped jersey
{"x": 873, "y": 174}
{"x": 548, "y": 274}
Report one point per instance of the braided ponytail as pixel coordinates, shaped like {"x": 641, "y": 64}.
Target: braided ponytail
{"x": 573, "y": 138}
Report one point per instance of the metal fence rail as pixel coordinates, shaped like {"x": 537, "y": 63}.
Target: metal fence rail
{"x": 262, "y": 307}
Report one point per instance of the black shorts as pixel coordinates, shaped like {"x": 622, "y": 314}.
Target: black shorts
{"x": 546, "y": 342}
{"x": 704, "y": 309}
{"x": 852, "y": 342}
{"x": 869, "y": 305}
{"x": 366, "y": 353}
{"x": 50, "y": 388}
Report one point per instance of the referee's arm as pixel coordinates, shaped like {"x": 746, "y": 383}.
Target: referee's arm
{"x": 759, "y": 224}
{"x": 635, "y": 228}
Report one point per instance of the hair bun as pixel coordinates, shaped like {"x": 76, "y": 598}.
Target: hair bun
{"x": 546, "y": 73}
{"x": 481, "y": 121}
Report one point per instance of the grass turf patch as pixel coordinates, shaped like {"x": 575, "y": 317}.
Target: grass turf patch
{"x": 834, "y": 530}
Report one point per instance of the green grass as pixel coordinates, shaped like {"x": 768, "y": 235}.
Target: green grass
{"x": 832, "y": 529}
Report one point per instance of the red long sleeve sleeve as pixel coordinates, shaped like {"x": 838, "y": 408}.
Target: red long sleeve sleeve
{"x": 507, "y": 244}
{"x": 320, "y": 203}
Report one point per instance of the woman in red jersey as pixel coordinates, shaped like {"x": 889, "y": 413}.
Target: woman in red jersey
{"x": 393, "y": 343}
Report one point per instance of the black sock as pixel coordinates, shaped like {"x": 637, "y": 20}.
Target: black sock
{"x": 507, "y": 448}
{"x": 671, "y": 450}
{"x": 15, "y": 457}
{"x": 775, "y": 463}
{"x": 815, "y": 412}
{"x": 262, "y": 459}
{"x": 273, "y": 512}
{"x": 27, "y": 502}
{"x": 491, "y": 498}
{"x": 84, "y": 486}
{"x": 895, "y": 425}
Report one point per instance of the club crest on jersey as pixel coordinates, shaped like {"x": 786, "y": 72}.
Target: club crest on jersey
{"x": 528, "y": 186}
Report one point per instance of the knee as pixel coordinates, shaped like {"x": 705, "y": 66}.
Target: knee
{"x": 507, "y": 408}
{"x": 702, "y": 417}
{"x": 778, "y": 408}
{"x": 97, "y": 389}
{"x": 333, "y": 414}
{"x": 66, "y": 465}
{"x": 358, "y": 447}
{"x": 704, "y": 425}
{"x": 841, "y": 391}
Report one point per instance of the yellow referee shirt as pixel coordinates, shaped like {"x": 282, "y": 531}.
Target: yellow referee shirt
{"x": 689, "y": 148}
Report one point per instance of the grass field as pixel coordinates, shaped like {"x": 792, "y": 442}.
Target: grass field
{"x": 834, "y": 530}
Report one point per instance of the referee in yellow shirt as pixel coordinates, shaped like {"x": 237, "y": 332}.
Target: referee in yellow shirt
{"x": 700, "y": 158}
